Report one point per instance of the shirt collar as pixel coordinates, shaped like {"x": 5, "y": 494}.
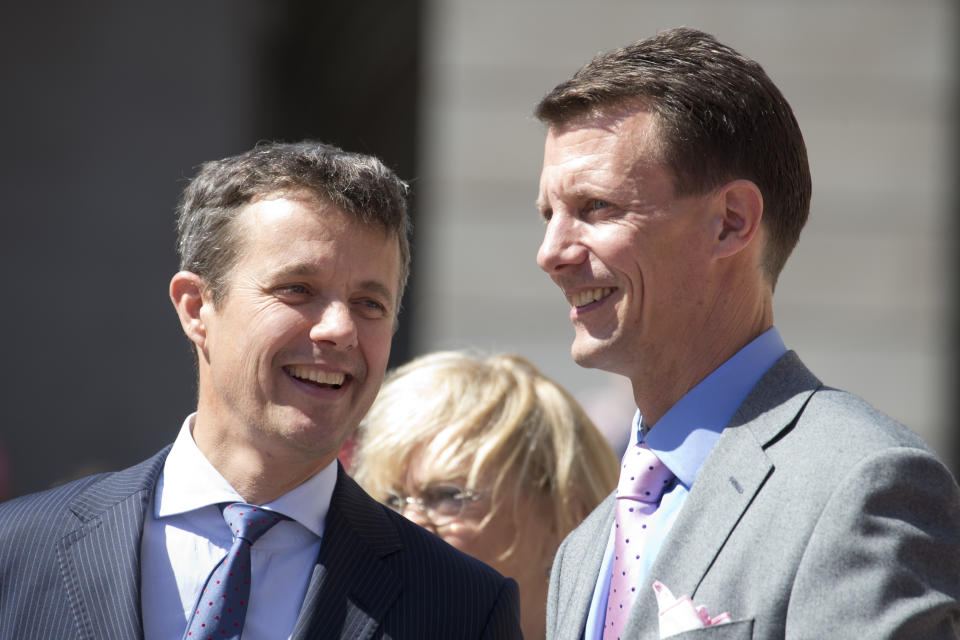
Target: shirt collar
{"x": 189, "y": 482}
{"x": 685, "y": 435}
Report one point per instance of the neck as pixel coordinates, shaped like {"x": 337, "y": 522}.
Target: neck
{"x": 732, "y": 323}
{"x": 256, "y": 470}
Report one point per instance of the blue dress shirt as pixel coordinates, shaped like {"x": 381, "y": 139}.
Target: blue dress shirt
{"x": 186, "y": 537}
{"x": 682, "y": 439}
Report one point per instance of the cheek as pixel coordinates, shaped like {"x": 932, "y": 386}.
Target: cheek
{"x": 623, "y": 262}
{"x": 259, "y": 347}
{"x": 251, "y": 356}
{"x": 375, "y": 342}
{"x": 268, "y": 333}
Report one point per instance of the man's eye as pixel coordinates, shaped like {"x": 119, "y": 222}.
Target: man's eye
{"x": 293, "y": 289}
{"x": 599, "y": 204}
{"x": 546, "y": 214}
{"x": 372, "y": 307}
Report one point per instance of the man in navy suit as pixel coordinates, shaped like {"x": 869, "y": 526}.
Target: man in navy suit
{"x": 294, "y": 259}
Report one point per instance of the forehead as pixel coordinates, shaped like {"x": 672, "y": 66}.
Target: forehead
{"x": 296, "y": 231}
{"x": 598, "y": 151}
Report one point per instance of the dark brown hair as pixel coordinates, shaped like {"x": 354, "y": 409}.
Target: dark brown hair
{"x": 719, "y": 118}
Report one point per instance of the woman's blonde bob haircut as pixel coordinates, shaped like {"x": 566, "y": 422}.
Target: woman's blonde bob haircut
{"x": 494, "y": 423}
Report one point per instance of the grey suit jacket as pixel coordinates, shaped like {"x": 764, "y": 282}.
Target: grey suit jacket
{"x": 814, "y": 516}
{"x": 70, "y": 568}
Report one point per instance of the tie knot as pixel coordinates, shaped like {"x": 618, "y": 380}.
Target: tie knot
{"x": 643, "y": 476}
{"x": 249, "y": 522}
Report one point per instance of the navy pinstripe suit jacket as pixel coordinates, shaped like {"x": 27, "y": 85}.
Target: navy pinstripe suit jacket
{"x": 70, "y": 568}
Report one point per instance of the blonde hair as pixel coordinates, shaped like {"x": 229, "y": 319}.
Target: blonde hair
{"x": 498, "y": 422}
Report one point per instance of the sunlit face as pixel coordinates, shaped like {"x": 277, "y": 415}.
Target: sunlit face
{"x": 629, "y": 255}
{"x": 294, "y": 355}
{"x": 522, "y": 521}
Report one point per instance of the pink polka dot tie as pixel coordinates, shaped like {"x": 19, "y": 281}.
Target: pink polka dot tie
{"x": 643, "y": 479}
{"x": 222, "y": 604}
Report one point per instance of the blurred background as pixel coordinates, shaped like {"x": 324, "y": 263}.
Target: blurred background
{"x": 109, "y": 107}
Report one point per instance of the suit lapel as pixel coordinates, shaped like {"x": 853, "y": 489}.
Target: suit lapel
{"x": 581, "y": 562}
{"x": 727, "y": 483}
{"x": 100, "y": 558}
{"x": 351, "y": 588}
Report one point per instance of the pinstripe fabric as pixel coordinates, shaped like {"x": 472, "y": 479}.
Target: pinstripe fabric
{"x": 70, "y": 557}
{"x": 70, "y": 568}
{"x": 381, "y": 576}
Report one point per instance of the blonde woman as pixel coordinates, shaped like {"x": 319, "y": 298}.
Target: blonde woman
{"x": 492, "y": 456}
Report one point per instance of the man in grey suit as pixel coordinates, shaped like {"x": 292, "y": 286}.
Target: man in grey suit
{"x": 675, "y": 184}
{"x": 294, "y": 259}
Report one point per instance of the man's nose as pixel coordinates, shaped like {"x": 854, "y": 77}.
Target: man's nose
{"x": 561, "y": 245}
{"x": 335, "y": 326}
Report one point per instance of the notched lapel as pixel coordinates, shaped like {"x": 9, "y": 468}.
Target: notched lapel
{"x": 735, "y": 471}
{"x": 730, "y": 478}
{"x": 100, "y": 559}
{"x": 774, "y": 404}
{"x": 352, "y": 588}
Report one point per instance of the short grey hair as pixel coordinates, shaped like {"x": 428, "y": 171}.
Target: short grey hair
{"x": 359, "y": 185}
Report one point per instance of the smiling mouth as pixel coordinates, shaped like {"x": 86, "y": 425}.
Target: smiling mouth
{"x": 589, "y": 296}
{"x": 316, "y": 377}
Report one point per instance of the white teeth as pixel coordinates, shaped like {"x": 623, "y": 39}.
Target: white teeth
{"x": 591, "y": 295}
{"x": 315, "y": 375}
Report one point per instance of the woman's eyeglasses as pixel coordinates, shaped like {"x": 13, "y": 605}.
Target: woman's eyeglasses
{"x": 441, "y": 504}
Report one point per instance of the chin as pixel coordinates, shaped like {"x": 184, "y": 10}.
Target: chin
{"x": 586, "y": 356}
{"x": 316, "y": 446}
{"x": 592, "y": 353}
{"x": 310, "y": 436}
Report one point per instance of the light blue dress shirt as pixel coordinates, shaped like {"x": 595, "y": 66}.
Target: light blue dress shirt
{"x": 186, "y": 537}
{"x": 682, "y": 439}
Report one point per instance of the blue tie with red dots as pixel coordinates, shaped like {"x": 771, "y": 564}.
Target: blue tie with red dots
{"x": 222, "y": 604}
{"x": 643, "y": 479}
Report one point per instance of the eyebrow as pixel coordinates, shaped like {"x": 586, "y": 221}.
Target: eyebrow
{"x": 371, "y": 286}
{"x": 575, "y": 194}
{"x": 375, "y": 286}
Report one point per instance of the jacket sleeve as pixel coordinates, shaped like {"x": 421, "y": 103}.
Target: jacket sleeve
{"x": 884, "y": 557}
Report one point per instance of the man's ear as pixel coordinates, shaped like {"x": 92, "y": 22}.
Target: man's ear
{"x": 741, "y": 208}
{"x": 188, "y": 292}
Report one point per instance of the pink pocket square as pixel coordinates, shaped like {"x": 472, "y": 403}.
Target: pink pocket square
{"x": 680, "y": 614}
